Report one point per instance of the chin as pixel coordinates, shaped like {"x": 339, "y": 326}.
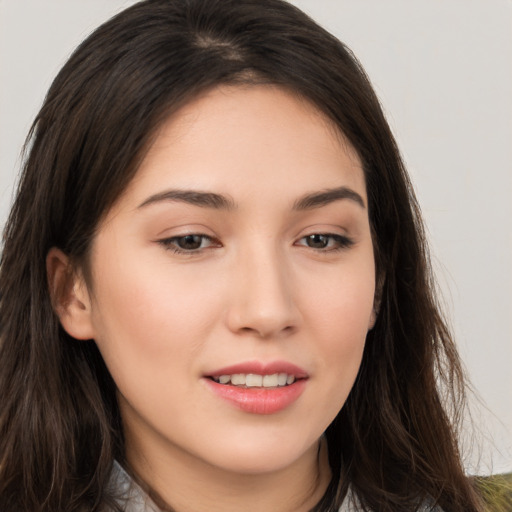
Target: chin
{"x": 260, "y": 456}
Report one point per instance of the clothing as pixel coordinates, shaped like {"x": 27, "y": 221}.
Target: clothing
{"x": 134, "y": 499}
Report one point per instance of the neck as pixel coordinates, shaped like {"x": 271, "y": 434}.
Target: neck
{"x": 188, "y": 485}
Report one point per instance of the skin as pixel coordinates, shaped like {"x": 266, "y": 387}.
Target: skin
{"x": 256, "y": 288}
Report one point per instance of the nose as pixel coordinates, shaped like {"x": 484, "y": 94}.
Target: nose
{"x": 263, "y": 299}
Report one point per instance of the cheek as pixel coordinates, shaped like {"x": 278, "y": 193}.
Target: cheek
{"x": 151, "y": 324}
{"x": 342, "y": 330}
{"x": 148, "y": 316}
{"x": 342, "y": 304}
{"x": 341, "y": 313}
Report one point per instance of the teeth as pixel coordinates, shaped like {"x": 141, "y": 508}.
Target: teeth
{"x": 270, "y": 381}
{"x": 238, "y": 379}
{"x": 253, "y": 380}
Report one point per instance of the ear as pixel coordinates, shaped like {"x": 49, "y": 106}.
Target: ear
{"x": 373, "y": 318}
{"x": 69, "y": 295}
{"x": 376, "y": 301}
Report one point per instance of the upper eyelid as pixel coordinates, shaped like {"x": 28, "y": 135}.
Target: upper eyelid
{"x": 184, "y": 229}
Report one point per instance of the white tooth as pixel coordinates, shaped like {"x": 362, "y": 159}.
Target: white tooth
{"x": 238, "y": 379}
{"x": 252, "y": 380}
{"x": 281, "y": 379}
{"x": 270, "y": 381}
{"x": 224, "y": 379}
{"x": 290, "y": 379}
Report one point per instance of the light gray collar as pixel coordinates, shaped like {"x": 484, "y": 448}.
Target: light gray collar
{"x": 131, "y": 497}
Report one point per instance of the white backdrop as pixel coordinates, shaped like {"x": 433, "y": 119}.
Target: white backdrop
{"x": 443, "y": 71}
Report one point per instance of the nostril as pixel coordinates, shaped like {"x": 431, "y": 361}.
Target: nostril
{"x": 268, "y": 331}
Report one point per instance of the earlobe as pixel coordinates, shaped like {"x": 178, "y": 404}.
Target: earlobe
{"x": 69, "y": 295}
{"x": 376, "y": 302}
{"x": 373, "y": 319}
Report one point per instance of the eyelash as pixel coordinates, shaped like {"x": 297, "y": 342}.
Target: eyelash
{"x": 340, "y": 243}
{"x": 171, "y": 244}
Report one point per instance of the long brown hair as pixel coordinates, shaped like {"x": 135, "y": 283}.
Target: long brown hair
{"x": 394, "y": 442}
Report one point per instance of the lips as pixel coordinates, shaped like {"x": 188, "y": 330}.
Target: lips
{"x": 259, "y": 388}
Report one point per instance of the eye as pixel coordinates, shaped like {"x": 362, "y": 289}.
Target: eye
{"x": 325, "y": 242}
{"x": 189, "y": 243}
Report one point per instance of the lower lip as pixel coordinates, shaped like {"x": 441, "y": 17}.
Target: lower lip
{"x": 259, "y": 400}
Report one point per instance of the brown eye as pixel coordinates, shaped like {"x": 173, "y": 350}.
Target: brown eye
{"x": 317, "y": 241}
{"x": 326, "y": 242}
{"x": 189, "y": 242}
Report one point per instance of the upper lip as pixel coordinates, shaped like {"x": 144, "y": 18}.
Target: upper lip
{"x": 261, "y": 368}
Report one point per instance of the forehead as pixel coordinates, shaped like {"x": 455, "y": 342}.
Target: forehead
{"x": 248, "y": 139}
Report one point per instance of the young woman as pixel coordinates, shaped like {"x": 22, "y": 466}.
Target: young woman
{"x": 215, "y": 290}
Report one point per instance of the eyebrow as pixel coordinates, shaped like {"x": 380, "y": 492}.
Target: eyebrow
{"x": 194, "y": 197}
{"x": 325, "y": 197}
{"x": 221, "y": 202}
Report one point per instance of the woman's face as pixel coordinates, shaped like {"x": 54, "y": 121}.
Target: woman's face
{"x": 233, "y": 283}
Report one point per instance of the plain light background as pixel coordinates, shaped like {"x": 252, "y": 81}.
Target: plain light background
{"x": 443, "y": 71}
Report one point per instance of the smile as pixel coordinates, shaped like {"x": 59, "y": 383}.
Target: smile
{"x": 259, "y": 388}
{"x": 253, "y": 380}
